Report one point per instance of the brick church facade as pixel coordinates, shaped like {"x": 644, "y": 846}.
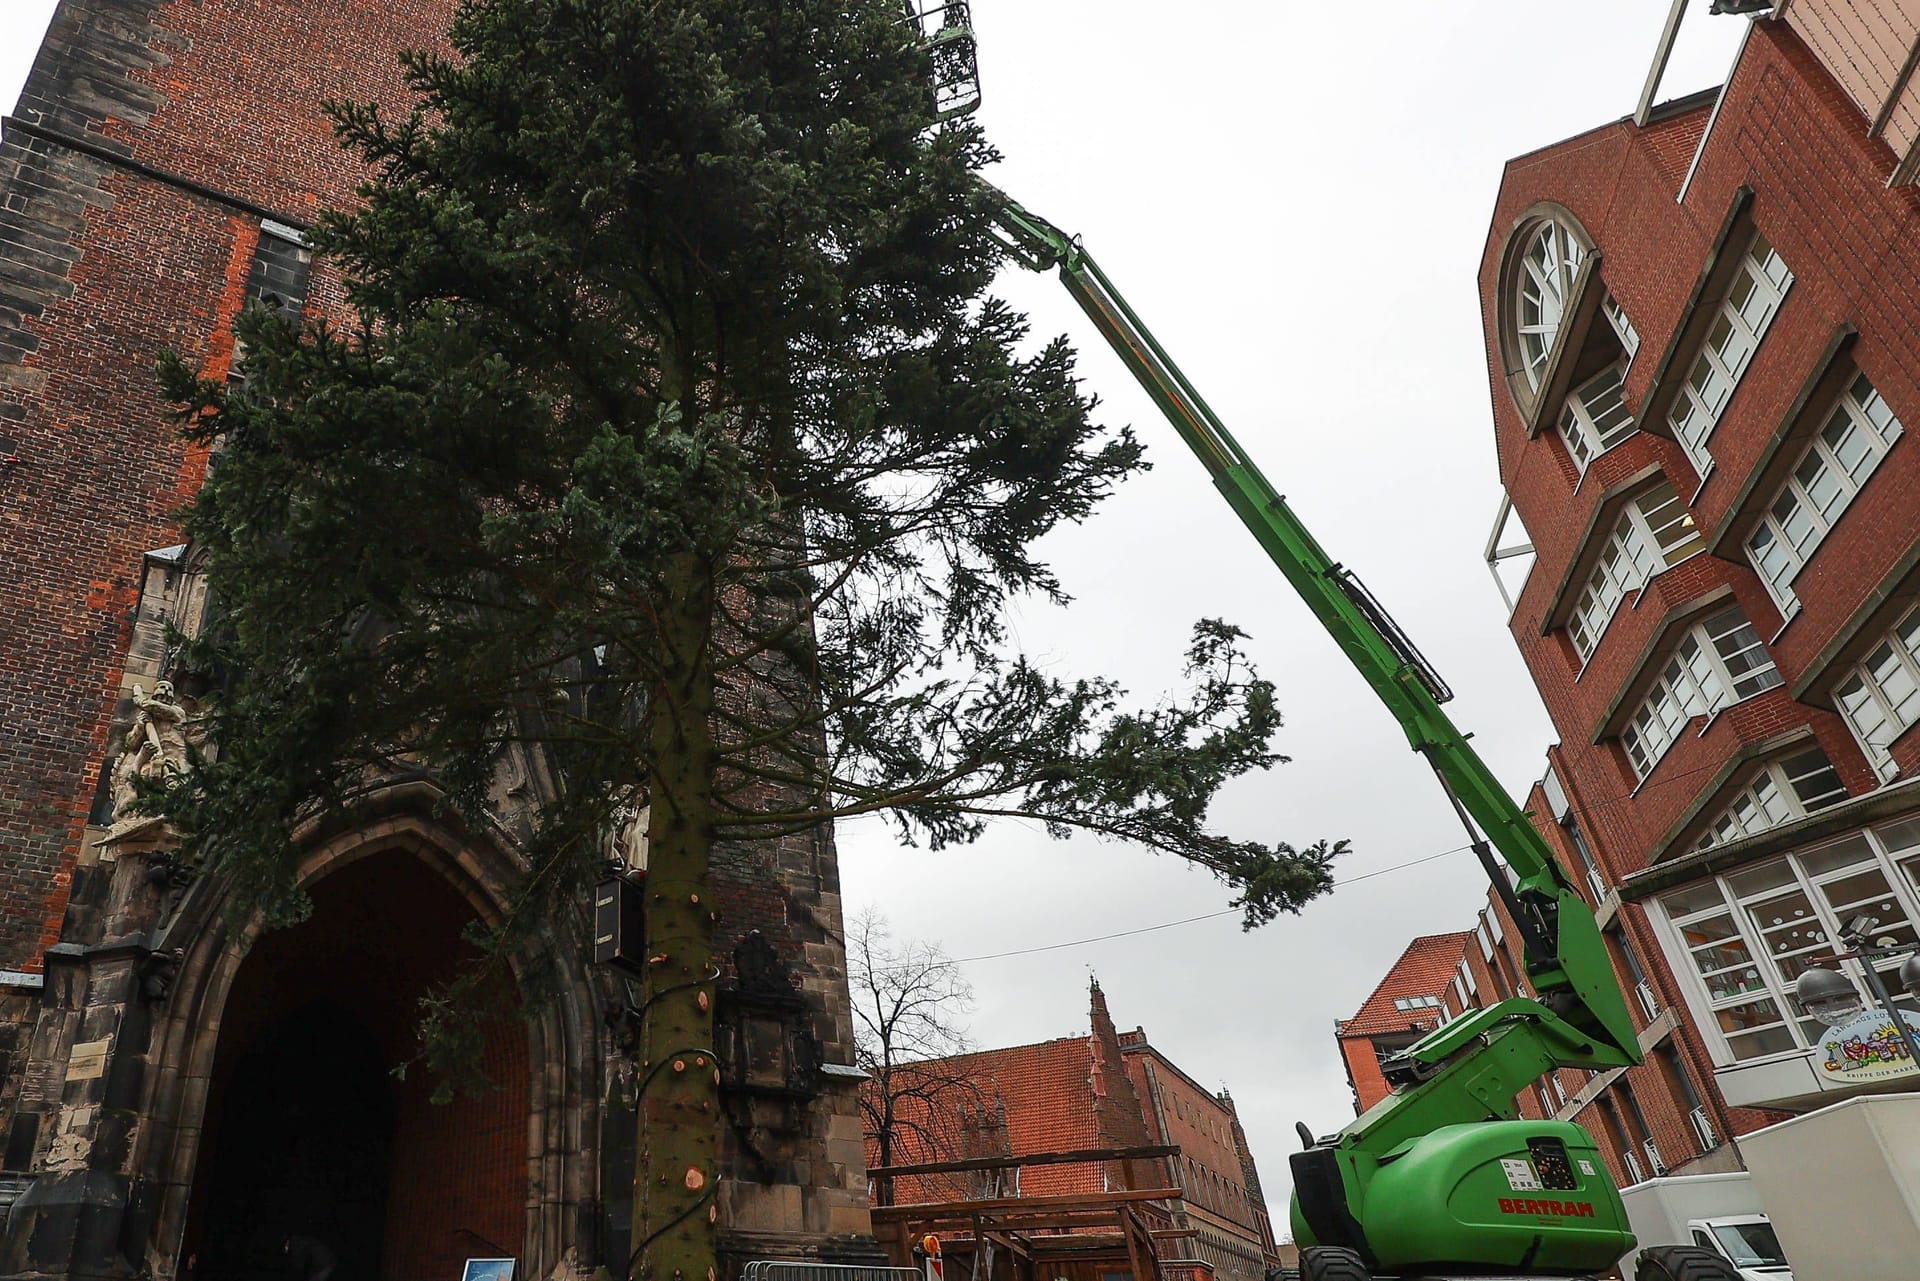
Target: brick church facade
{"x": 177, "y": 1093}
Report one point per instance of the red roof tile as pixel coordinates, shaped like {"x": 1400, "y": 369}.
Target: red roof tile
{"x": 1424, "y": 969}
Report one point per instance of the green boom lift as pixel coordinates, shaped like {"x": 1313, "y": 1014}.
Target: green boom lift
{"x": 1442, "y": 1178}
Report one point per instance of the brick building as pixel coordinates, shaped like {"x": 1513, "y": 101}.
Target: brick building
{"x": 1703, "y": 338}
{"x": 1408, "y": 1003}
{"x": 1107, "y": 1089}
{"x": 172, "y": 1086}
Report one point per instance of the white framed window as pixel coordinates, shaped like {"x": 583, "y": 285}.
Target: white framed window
{"x": 1779, "y": 792}
{"x": 1547, "y": 272}
{"x": 1655, "y": 532}
{"x": 1404, "y": 1003}
{"x": 1596, "y": 418}
{"x": 1748, "y": 935}
{"x": 1460, "y": 990}
{"x": 1634, "y": 1172}
{"x": 1850, "y": 444}
{"x": 1881, "y": 699}
{"x": 1759, "y": 286}
{"x": 1622, "y": 327}
{"x": 1703, "y": 1129}
{"x": 1718, "y": 662}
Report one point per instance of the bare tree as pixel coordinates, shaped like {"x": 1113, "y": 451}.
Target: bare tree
{"x": 909, "y": 1003}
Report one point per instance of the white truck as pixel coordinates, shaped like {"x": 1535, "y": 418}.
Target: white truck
{"x": 1717, "y": 1212}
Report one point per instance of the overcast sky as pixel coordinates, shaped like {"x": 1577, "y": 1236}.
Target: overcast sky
{"x": 1295, "y": 197}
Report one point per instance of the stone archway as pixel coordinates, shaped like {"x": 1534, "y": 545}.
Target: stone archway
{"x": 513, "y": 1171}
{"x": 307, "y": 1130}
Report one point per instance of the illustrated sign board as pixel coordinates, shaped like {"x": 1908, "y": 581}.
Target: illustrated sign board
{"x": 1866, "y": 1050}
{"x": 488, "y": 1270}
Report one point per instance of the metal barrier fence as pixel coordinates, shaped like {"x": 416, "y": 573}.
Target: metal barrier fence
{"x": 780, "y": 1270}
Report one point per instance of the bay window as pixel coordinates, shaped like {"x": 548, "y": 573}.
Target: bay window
{"x": 1880, "y": 700}
{"x": 1596, "y": 418}
{"x": 1759, "y": 286}
{"x": 1778, "y": 792}
{"x": 1850, "y": 444}
{"x": 1717, "y": 662}
{"x": 1655, "y": 532}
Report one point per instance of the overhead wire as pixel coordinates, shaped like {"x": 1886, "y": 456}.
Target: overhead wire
{"x": 1190, "y": 920}
{"x": 1349, "y": 880}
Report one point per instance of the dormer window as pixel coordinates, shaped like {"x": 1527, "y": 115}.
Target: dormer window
{"x": 1542, "y": 292}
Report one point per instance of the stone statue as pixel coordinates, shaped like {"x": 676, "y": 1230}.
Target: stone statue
{"x": 155, "y": 746}
{"x": 628, "y": 843}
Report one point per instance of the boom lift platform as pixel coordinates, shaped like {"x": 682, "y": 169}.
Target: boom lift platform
{"x": 1443, "y": 1178}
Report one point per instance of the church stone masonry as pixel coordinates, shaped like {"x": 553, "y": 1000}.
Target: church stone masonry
{"x": 177, "y": 1094}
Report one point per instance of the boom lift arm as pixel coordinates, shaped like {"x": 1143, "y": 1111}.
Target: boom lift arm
{"x": 1579, "y": 1012}
{"x": 1469, "y": 1071}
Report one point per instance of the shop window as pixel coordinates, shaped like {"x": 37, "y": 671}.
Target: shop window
{"x": 1718, "y": 662}
{"x": 1748, "y": 935}
{"x": 1759, "y": 286}
{"x": 1654, "y": 533}
{"x": 1837, "y": 463}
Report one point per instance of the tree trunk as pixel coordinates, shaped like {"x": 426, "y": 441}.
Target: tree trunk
{"x": 676, "y": 1181}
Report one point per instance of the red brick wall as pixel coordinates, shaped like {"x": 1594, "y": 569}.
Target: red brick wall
{"x": 1788, "y": 133}
{"x": 100, "y": 268}
{"x": 460, "y": 1166}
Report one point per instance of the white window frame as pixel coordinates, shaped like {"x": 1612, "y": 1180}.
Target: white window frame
{"x": 1899, "y": 864}
{"x": 1705, "y": 674}
{"x": 1595, "y": 417}
{"x": 1548, "y": 269}
{"x": 1622, "y": 326}
{"x": 1777, "y": 793}
{"x": 1634, "y": 1174}
{"x": 1654, "y": 533}
{"x": 1793, "y": 525}
{"x": 1871, "y": 699}
{"x": 1745, "y": 313}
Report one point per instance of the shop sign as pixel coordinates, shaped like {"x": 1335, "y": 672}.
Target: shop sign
{"x": 1866, "y": 1050}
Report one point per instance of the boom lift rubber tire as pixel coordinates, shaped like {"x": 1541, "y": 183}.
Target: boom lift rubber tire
{"x": 1682, "y": 1263}
{"x": 1334, "y": 1263}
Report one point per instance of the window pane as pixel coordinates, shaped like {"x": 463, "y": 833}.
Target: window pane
{"x": 1742, "y": 653}
{"x": 1747, "y": 1016}
{"x": 1699, "y": 898}
{"x": 1900, "y": 837}
{"x": 1851, "y": 852}
{"x": 1821, "y": 484}
{"x": 1760, "y": 880}
{"x": 1814, "y": 781}
{"x": 1753, "y": 1045}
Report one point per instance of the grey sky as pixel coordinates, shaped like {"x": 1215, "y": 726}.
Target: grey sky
{"x": 1295, "y": 197}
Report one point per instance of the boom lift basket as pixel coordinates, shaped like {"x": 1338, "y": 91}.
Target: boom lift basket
{"x": 944, "y": 28}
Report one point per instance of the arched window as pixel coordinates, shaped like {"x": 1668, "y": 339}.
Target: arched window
{"x": 1543, "y": 287}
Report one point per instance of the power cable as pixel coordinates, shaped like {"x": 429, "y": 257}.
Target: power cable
{"x": 1186, "y": 920}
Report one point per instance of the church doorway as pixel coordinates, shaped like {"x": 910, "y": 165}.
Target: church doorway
{"x": 309, "y": 1131}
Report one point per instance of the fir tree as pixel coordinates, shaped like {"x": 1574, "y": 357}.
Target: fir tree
{"x": 678, "y": 434}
